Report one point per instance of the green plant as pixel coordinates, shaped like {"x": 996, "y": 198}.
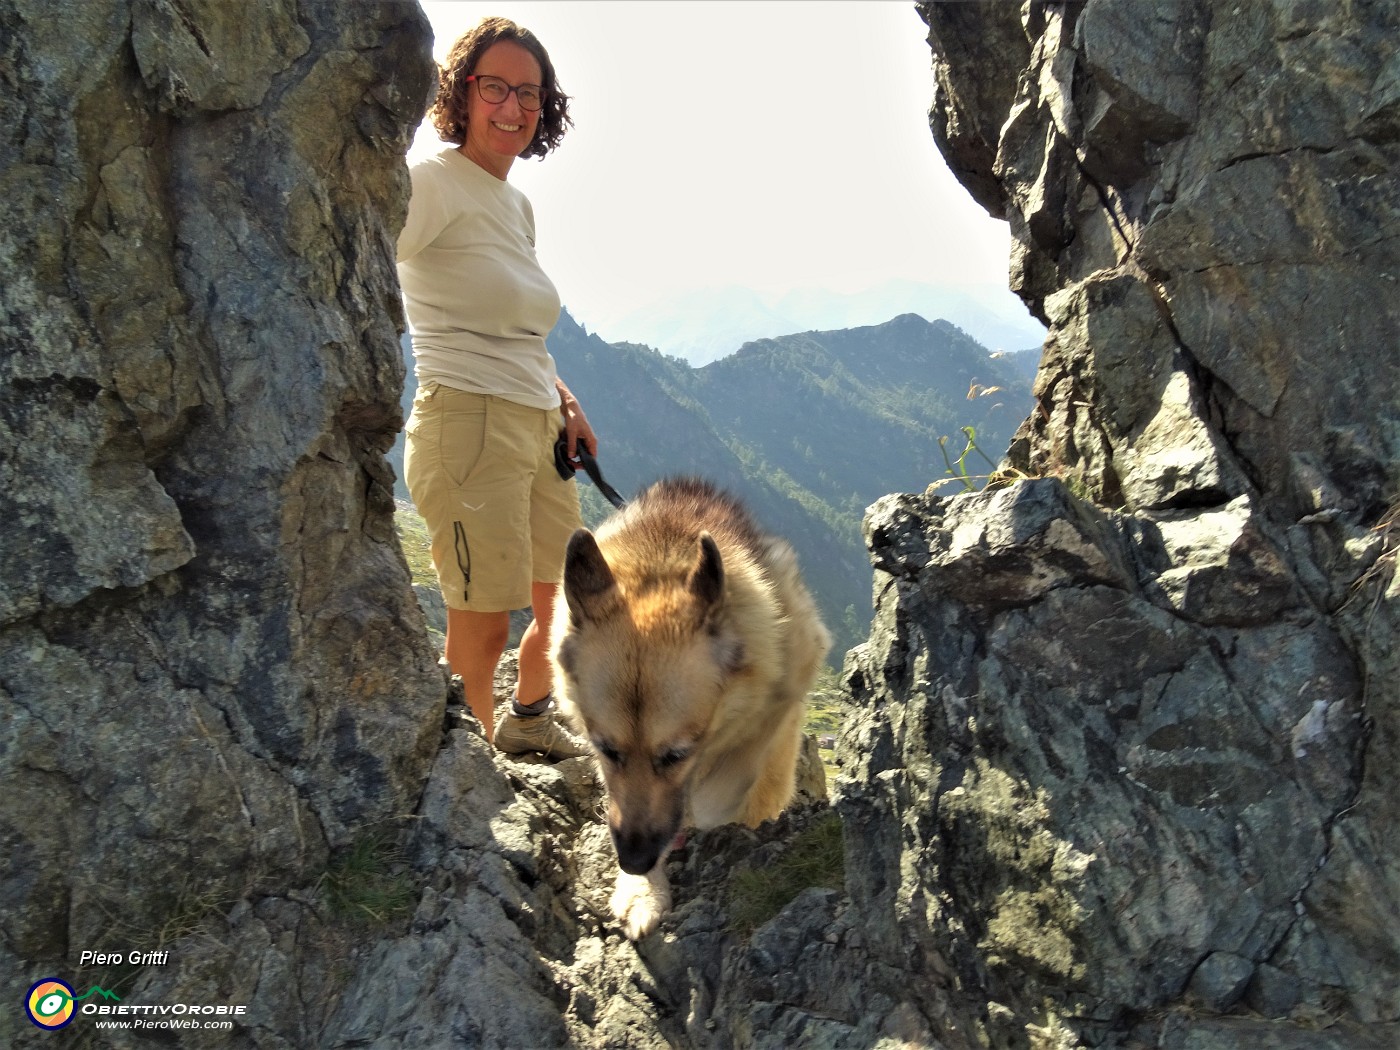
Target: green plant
{"x": 958, "y": 471}
{"x": 815, "y": 857}
{"x": 369, "y": 881}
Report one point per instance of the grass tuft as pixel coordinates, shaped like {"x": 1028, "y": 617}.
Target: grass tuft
{"x": 370, "y": 882}
{"x": 816, "y": 857}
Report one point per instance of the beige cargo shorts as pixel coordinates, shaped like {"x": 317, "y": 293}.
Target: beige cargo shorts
{"x": 481, "y": 472}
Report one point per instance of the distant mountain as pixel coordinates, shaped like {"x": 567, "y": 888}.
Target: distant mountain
{"x": 704, "y": 325}
{"x": 707, "y": 324}
{"x": 808, "y": 429}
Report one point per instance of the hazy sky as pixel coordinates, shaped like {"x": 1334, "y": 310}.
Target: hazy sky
{"x": 771, "y": 145}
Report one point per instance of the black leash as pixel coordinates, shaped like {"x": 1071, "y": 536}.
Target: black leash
{"x": 590, "y": 467}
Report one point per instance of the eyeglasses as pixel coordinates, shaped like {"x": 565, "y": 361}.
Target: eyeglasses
{"x": 494, "y": 90}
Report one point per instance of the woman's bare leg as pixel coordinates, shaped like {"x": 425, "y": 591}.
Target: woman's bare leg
{"x": 475, "y": 642}
{"x": 536, "y": 677}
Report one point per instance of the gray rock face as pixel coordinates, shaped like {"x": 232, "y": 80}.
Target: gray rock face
{"x": 1116, "y": 759}
{"x": 1124, "y": 724}
{"x": 211, "y": 669}
{"x": 1117, "y": 768}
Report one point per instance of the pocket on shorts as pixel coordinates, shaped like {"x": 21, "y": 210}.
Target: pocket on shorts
{"x": 462, "y": 435}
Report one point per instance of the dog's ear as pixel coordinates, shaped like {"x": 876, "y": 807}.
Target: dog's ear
{"x": 589, "y": 585}
{"x": 707, "y": 578}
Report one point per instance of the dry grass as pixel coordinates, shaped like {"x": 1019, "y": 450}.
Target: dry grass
{"x": 1372, "y": 584}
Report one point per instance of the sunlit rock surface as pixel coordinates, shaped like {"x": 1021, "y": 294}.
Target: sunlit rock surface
{"x": 1117, "y": 766}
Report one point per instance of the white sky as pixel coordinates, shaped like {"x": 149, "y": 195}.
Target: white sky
{"x": 771, "y": 145}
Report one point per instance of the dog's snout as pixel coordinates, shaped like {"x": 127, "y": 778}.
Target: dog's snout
{"x": 638, "y": 851}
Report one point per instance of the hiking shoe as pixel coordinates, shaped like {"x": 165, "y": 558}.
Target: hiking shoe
{"x": 544, "y": 733}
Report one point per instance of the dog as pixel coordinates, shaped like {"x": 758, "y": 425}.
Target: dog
{"x": 684, "y": 645}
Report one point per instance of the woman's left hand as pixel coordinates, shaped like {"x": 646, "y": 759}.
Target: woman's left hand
{"x": 576, "y": 426}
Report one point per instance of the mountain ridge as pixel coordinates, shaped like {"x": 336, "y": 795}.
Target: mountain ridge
{"x": 808, "y": 428}
{"x": 706, "y": 324}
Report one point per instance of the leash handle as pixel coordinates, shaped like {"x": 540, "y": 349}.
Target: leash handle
{"x": 590, "y": 467}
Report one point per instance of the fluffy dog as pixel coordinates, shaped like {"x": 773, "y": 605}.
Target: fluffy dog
{"x": 684, "y": 649}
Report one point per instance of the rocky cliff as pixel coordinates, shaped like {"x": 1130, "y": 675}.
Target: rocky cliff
{"x": 211, "y": 673}
{"x": 1127, "y": 725}
{"x": 1116, "y": 769}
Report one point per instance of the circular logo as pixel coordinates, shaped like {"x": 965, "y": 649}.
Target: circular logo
{"x": 50, "y": 1003}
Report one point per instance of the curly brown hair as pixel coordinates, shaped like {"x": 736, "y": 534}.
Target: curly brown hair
{"x": 449, "y": 109}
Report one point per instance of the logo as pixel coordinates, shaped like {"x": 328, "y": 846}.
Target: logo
{"x": 50, "y": 1003}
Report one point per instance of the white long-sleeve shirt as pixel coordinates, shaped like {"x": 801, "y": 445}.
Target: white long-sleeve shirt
{"x": 479, "y": 305}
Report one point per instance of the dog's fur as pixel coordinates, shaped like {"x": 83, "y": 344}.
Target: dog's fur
{"x": 684, "y": 644}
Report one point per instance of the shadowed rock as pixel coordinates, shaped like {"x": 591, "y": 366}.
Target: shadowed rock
{"x": 1116, "y": 771}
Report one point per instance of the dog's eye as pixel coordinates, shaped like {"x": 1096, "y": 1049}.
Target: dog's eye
{"x": 673, "y": 757}
{"x": 608, "y": 752}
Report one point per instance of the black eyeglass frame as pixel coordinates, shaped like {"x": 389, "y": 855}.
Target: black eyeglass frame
{"x": 543, "y": 91}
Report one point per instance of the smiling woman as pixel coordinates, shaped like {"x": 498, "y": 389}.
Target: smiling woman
{"x": 782, "y": 148}
{"x": 499, "y": 125}
{"x": 474, "y": 109}
{"x": 479, "y": 445}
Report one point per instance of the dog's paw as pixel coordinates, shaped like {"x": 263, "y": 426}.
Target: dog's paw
{"x": 639, "y": 901}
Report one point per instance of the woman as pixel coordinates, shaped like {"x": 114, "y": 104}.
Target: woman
{"x": 479, "y": 451}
